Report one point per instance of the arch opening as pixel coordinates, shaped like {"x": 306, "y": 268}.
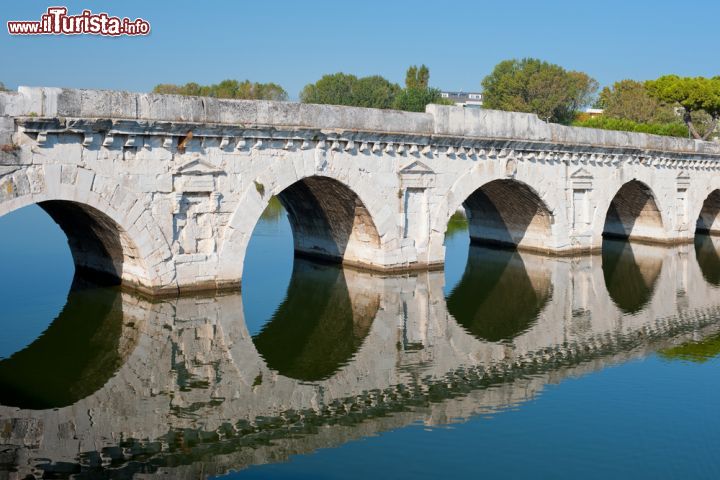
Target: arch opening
{"x": 329, "y": 221}
{"x": 633, "y": 214}
{"x": 307, "y": 315}
{"x": 268, "y": 266}
{"x": 101, "y": 249}
{"x": 708, "y": 221}
{"x": 38, "y": 271}
{"x": 508, "y": 213}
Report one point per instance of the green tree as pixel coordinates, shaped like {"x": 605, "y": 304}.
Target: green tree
{"x": 672, "y": 129}
{"x": 535, "y": 86}
{"x": 695, "y": 95}
{"x": 343, "y": 89}
{"x": 416, "y": 99}
{"x": 374, "y": 92}
{"x": 227, "y": 89}
{"x": 333, "y": 89}
{"x": 417, "y": 93}
{"x": 630, "y": 100}
{"x": 417, "y": 77}
{"x": 2, "y": 87}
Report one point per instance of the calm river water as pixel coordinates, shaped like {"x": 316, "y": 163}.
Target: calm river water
{"x": 505, "y": 365}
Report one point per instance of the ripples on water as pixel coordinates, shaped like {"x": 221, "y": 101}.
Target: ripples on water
{"x": 507, "y": 364}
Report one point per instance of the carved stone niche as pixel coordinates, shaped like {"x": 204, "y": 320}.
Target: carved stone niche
{"x": 582, "y": 183}
{"x": 195, "y": 176}
{"x": 683, "y": 181}
{"x": 415, "y": 179}
{"x": 416, "y": 175}
{"x": 196, "y": 203}
{"x": 683, "y": 184}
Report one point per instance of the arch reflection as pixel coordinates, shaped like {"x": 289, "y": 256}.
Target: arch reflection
{"x": 78, "y": 353}
{"x": 320, "y": 325}
{"x": 707, "y": 250}
{"x": 498, "y": 298}
{"x": 631, "y": 272}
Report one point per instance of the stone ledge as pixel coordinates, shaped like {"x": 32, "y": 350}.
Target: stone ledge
{"x": 229, "y": 138}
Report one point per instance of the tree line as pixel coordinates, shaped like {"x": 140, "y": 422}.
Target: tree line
{"x": 669, "y": 105}
{"x": 334, "y": 89}
{"x": 375, "y": 91}
{"x": 227, "y": 89}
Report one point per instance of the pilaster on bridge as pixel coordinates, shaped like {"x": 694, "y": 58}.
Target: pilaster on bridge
{"x": 163, "y": 192}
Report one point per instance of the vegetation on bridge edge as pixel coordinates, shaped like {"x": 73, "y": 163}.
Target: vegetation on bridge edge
{"x": 671, "y": 129}
{"x": 245, "y": 90}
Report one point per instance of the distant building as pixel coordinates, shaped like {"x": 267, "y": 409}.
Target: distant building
{"x": 464, "y": 99}
{"x": 593, "y": 112}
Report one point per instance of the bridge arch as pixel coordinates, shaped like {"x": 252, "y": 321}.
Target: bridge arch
{"x": 634, "y": 213}
{"x": 502, "y": 211}
{"x": 107, "y": 238}
{"x": 331, "y": 217}
{"x": 708, "y": 217}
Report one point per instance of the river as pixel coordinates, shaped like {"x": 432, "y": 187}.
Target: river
{"x": 504, "y": 365}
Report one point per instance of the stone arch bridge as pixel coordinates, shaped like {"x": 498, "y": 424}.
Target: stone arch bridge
{"x": 163, "y": 192}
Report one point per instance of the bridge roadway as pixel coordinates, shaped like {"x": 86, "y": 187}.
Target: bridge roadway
{"x": 179, "y": 378}
{"x": 163, "y": 192}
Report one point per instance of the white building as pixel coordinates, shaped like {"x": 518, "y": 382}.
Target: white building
{"x": 464, "y": 99}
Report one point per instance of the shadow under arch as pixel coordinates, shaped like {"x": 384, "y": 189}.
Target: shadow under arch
{"x": 707, "y": 221}
{"x": 99, "y": 246}
{"x": 320, "y": 325}
{"x": 633, "y": 214}
{"x": 707, "y": 253}
{"x": 328, "y": 219}
{"x": 508, "y": 213}
{"x": 497, "y": 298}
{"x": 630, "y": 273}
{"x": 79, "y": 352}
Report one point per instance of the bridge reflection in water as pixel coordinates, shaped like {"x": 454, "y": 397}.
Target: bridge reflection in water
{"x": 319, "y": 326}
{"x": 498, "y": 298}
{"x": 190, "y": 391}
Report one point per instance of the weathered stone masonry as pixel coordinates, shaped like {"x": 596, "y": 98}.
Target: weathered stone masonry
{"x": 164, "y": 191}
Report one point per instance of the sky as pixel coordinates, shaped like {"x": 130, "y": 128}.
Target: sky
{"x": 294, "y": 43}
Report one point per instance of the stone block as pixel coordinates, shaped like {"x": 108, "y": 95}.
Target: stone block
{"x": 52, "y": 178}
{"x": 68, "y": 174}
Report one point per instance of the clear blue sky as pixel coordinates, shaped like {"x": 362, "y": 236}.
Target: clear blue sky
{"x": 295, "y": 42}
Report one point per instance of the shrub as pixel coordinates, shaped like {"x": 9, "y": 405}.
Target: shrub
{"x": 672, "y": 129}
